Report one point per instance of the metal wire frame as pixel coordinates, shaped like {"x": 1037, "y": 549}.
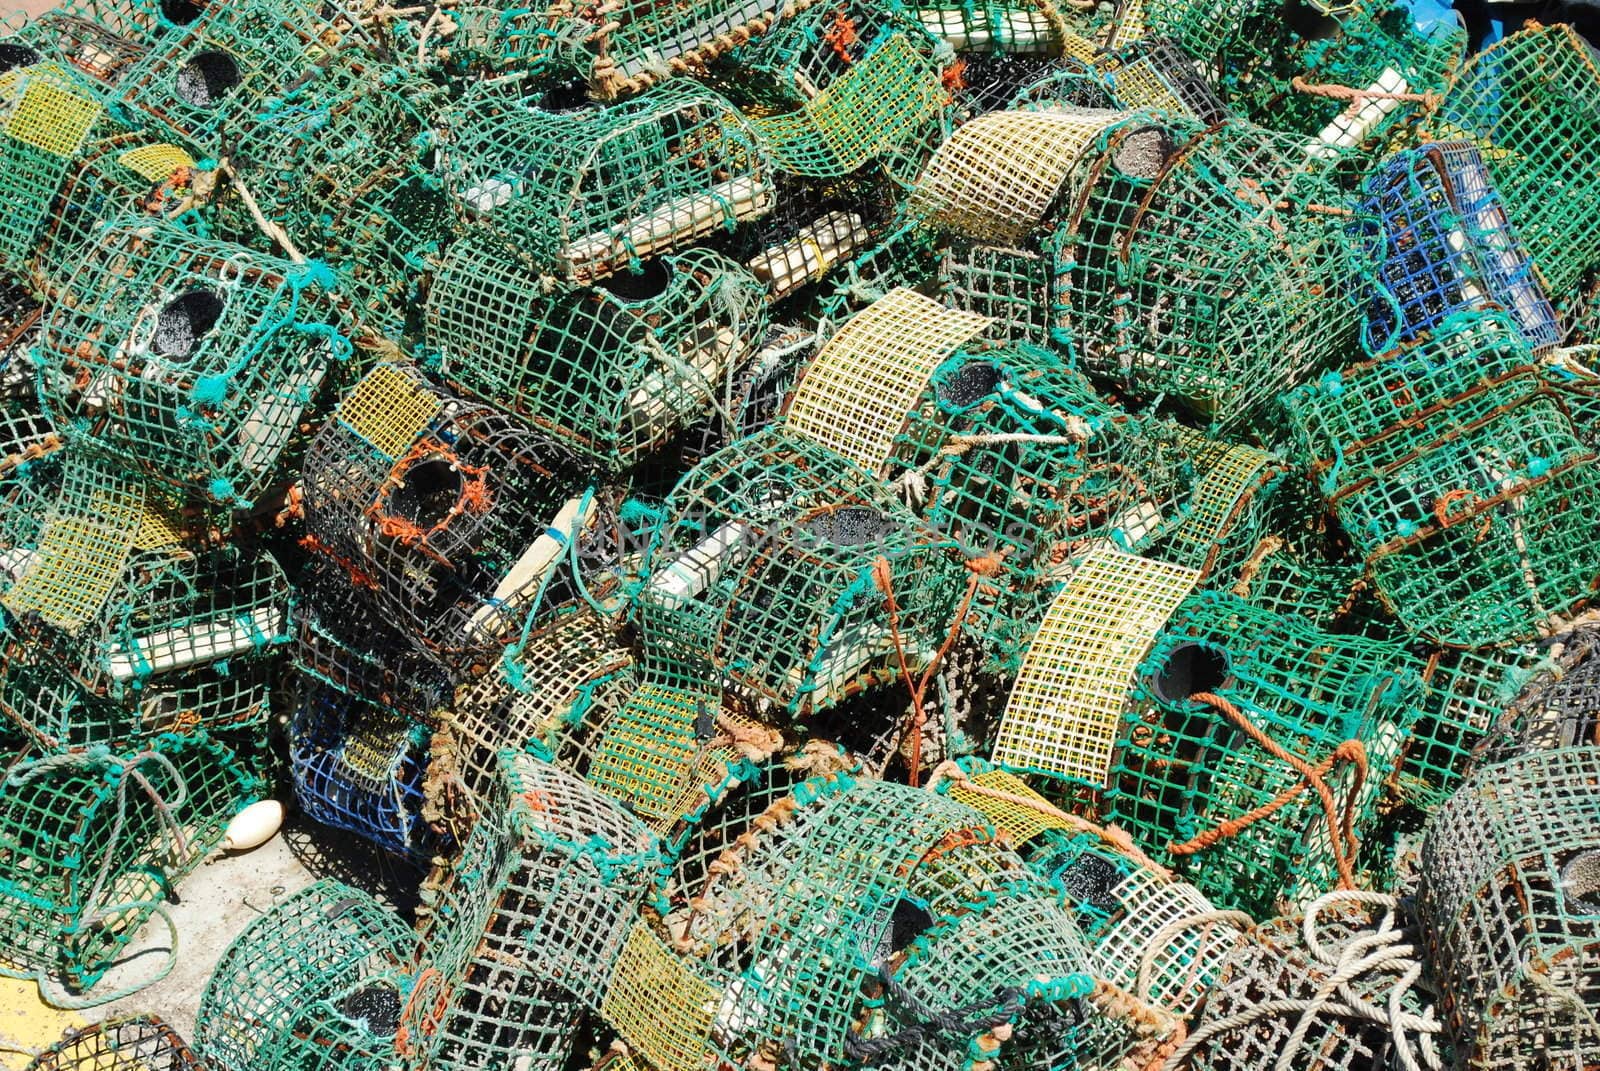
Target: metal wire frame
{"x": 451, "y": 516}
{"x": 613, "y": 371}
{"x": 1508, "y": 909}
{"x": 1458, "y": 475}
{"x": 766, "y": 565}
{"x": 1558, "y": 705}
{"x": 128, "y": 1043}
{"x": 586, "y": 192}
{"x": 1181, "y": 768}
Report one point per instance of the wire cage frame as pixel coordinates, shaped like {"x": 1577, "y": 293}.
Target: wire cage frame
{"x": 194, "y": 361}
{"x": 453, "y": 517}
{"x": 615, "y": 370}
{"x": 1190, "y": 762}
{"x": 1168, "y": 283}
{"x": 319, "y": 981}
{"x": 95, "y": 841}
{"x": 1233, "y": 507}
{"x": 1508, "y": 911}
{"x": 1556, "y": 707}
{"x": 99, "y": 40}
{"x": 1445, "y": 243}
{"x": 360, "y": 766}
{"x": 768, "y": 563}
{"x": 584, "y": 192}
{"x": 1493, "y": 101}
{"x": 126, "y": 1043}
{"x": 1156, "y": 73}
{"x": 1459, "y": 477}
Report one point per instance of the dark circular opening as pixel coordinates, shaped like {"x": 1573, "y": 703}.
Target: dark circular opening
{"x": 184, "y": 321}
{"x": 908, "y": 921}
{"x": 969, "y": 384}
{"x": 1580, "y": 880}
{"x": 427, "y": 492}
{"x": 1088, "y": 880}
{"x": 1142, "y": 153}
{"x": 13, "y": 56}
{"x": 567, "y": 97}
{"x": 182, "y": 12}
{"x": 651, "y": 280}
{"x": 376, "y": 1005}
{"x": 848, "y": 526}
{"x": 207, "y": 78}
{"x": 1190, "y": 668}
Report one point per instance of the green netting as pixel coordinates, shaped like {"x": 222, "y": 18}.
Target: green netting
{"x": 451, "y": 515}
{"x": 194, "y": 361}
{"x": 318, "y": 981}
{"x": 1532, "y": 103}
{"x": 614, "y": 370}
{"x": 1156, "y": 73}
{"x": 100, "y": 38}
{"x": 494, "y": 37}
{"x": 1233, "y": 506}
{"x": 766, "y": 565}
{"x": 1508, "y": 904}
{"x": 638, "y": 43}
{"x": 1216, "y": 267}
{"x": 1183, "y": 767}
{"x": 585, "y": 191}
{"x": 1011, "y": 286}
{"x": 133, "y": 1043}
{"x": 1457, "y": 473}
{"x": 94, "y": 842}
{"x": 1280, "y": 580}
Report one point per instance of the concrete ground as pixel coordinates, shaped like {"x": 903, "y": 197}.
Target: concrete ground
{"x": 218, "y": 900}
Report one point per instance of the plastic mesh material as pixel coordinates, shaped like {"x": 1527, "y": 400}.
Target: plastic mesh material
{"x": 1156, "y": 73}
{"x": 135, "y": 1043}
{"x": 1066, "y": 706}
{"x": 1445, "y": 243}
{"x": 613, "y": 371}
{"x": 1229, "y": 510}
{"x": 1010, "y": 286}
{"x": 1531, "y": 99}
{"x": 1181, "y": 768}
{"x": 1460, "y": 479}
{"x": 1508, "y": 906}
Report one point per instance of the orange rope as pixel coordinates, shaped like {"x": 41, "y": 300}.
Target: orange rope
{"x": 1341, "y": 828}
{"x": 1358, "y": 97}
{"x": 841, "y": 35}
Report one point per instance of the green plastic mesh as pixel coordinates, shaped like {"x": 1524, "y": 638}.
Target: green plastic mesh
{"x": 1232, "y": 507}
{"x": 585, "y": 191}
{"x": 90, "y": 851}
{"x": 451, "y": 515}
{"x": 1532, "y": 103}
{"x": 1011, "y": 286}
{"x": 192, "y": 360}
{"x": 1182, "y": 767}
{"x": 132, "y": 1043}
{"x": 1508, "y": 901}
{"x": 1217, "y": 268}
{"x": 315, "y": 982}
{"x": 765, "y": 565}
{"x": 1457, "y": 473}
{"x": 615, "y": 370}
{"x": 1156, "y": 73}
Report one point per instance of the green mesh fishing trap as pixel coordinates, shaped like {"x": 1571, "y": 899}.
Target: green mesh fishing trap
{"x": 584, "y": 191}
{"x": 94, "y": 842}
{"x": 1182, "y": 767}
{"x": 99, "y": 39}
{"x": 194, "y": 361}
{"x": 1214, "y": 267}
{"x": 317, "y": 982}
{"x": 766, "y": 564}
{"x": 614, "y": 370}
{"x": 1235, "y": 503}
{"x": 1510, "y": 868}
{"x": 1530, "y": 101}
{"x": 1559, "y": 705}
{"x": 131, "y": 1043}
{"x": 1456, "y": 471}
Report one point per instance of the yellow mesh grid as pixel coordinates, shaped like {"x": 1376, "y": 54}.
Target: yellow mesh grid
{"x": 155, "y": 162}
{"x": 51, "y": 118}
{"x": 858, "y": 392}
{"x": 995, "y": 177}
{"x": 1017, "y": 823}
{"x": 1129, "y": 27}
{"x": 1236, "y": 471}
{"x": 1063, "y": 712}
{"x": 710, "y": 767}
{"x": 157, "y": 530}
{"x": 660, "y": 1008}
{"x": 388, "y": 409}
{"x": 648, "y": 750}
{"x": 1140, "y": 86}
{"x": 79, "y": 562}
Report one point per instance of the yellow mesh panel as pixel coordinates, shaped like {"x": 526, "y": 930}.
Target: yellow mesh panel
{"x": 388, "y": 409}
{"x": 1139, "y": 85}
{"x": 1017, "y": 822}
{"x": 857, "y": 393}
{"x": 155, "y": 162}
{"x": 79, "y": 562}
{"x": 51, "y": 118}
{"x": 648, "y": 750}
{"x": 1063, "y": 712}
{"x": 157, "y": 530}
{"x": 1237, "y": 471}
{"x": 1130, "y": 25}
{"x": 995, "y": 177}
{"x": 661, "y": 1009}
{"x": 710, "y": 767}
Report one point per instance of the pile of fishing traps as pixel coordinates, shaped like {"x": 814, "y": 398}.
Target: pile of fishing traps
{"x": 837, "y": 534}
